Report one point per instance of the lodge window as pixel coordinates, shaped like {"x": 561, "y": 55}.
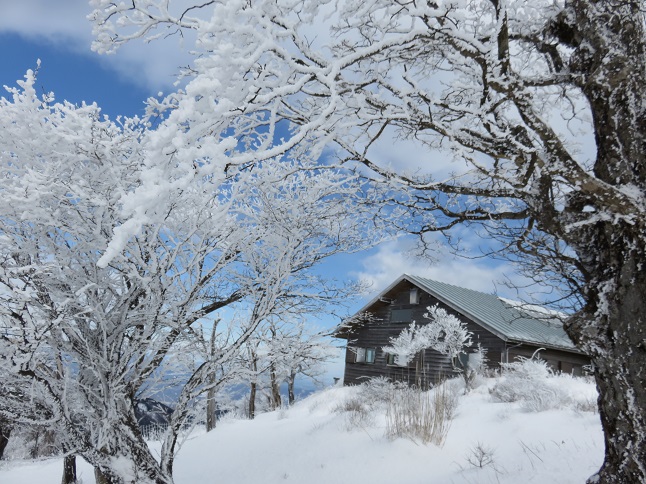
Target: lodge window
{"x": 401, "y": 316}
{"x": 393, "y": 360}
{"x": 360, "y": 355}
{"x": 370, "y": 355}
{"x": 364, "y": 355}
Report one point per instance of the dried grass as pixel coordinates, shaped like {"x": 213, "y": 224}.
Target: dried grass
{"x": 420, "y": 415}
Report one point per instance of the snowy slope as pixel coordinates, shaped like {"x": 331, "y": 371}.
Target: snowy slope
{"x": 315, "y": 442}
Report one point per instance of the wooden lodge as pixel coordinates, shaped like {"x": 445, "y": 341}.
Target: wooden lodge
{"x": 506, "y": 330}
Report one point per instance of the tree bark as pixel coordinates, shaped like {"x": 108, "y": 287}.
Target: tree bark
{"x": 253, "y": 385}
{"x": 610, "y": 56}
{"x": 211, "y": 417}
{"x": 616, "y": 344}
{"x": 252, "y": 400}
{"x": 611, "y": 329}
{"x": 210, "y": 403}
{"x": 144, "y": 472}
{"x": 69, "y": 470}
{"x": 5, "y": 433}
{"x": 33, "y": 450}
{"x": 131, "y": 452}
{"x": 276, "y": 400}
{"x": 290, "y": 388}
{"x": 104, "y": 476}
{"x": 210, "y": 395}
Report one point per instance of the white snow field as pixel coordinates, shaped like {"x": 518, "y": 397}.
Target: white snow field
{"x": 323, "y": 439}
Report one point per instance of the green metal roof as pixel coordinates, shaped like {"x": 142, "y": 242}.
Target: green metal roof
{"x": 511, "y": 321}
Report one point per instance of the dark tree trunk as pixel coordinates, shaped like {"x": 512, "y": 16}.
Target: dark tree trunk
{"x": 168, "y": 447}
{"x": 253, "y": 386}
{"x": 290, "y": 388}
{"x": 211, "y": 417}
{"x": 130, "y": 448}
{"x": 210, "y": 396}
{"x": 5, "y": 433}
{"x": 612, "y": 330}
{"x": 275, "y": 400}
{"x": 611, "y": 60}
{"x": 145, "y": 468}
{"x": 104, "y": 476}
{"x": 144, "y": 462}
{"x": 617, "y": 346}
{"x": 252, "y": 400}
{"x": 69, "y": 470}
{"x": 33, "y": 451}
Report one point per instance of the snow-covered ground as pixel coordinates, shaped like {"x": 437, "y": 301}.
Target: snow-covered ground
{"x": 318, "y": 441}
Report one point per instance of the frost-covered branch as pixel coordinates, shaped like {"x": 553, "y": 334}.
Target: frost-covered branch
{"x": 443, "y": 333}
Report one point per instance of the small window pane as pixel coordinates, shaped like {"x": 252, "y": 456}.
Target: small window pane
{"x": 401, "y": 315}
{"x": 361, "y": 355}
{"x": 370, "y": 355}
{"x": 394, "y": 360}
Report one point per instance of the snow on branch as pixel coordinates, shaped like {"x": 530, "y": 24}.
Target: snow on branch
{"x": 444, "y": 333}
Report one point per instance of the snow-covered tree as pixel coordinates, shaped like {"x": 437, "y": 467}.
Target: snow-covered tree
{"x": 443, "y": 333}
{"x": 305, "y": 353}
{"x": 537, "y": 104}
{"x": 276, "y": 354}
{"x": 294, "y": 349}
{"x": 81, "y": 333}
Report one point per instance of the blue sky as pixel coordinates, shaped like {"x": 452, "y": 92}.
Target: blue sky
{"x": 59, "y": 35}
{"x": 73, "y": 76}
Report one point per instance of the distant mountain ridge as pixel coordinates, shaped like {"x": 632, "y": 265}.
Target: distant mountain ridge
{"x": 151, "y": 412}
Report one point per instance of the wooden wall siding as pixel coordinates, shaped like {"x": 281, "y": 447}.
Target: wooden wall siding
{"x": 431, "y": 365}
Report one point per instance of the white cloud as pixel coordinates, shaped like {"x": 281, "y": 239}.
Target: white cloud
{"x": 412, "y": 158}
{"x": 153, "y": 66}
{"x": 55, "y": 21}
{"x": 392, "y": 259}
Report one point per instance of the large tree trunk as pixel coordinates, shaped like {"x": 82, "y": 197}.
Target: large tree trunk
{"x": 33, "y": 450}
{"x": 210, "y": 402}
{"x": 5, "y": 433}
{"x": 139, "y": 467}
{"x": 276, "y": 400}
{"x": 131, "y": 453}
{"x": 252, "y": 401}
{"x": 69, "y": 470}
{"x": 210, "y": 410}
{"x": 253, "y": 387}
{"x": 290, "y": 388}
{"x": 611, "y": 59}
{"x": 105, "y": 476}
{"x": 617, "y": 346}
{"x": 210, "y": 396}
